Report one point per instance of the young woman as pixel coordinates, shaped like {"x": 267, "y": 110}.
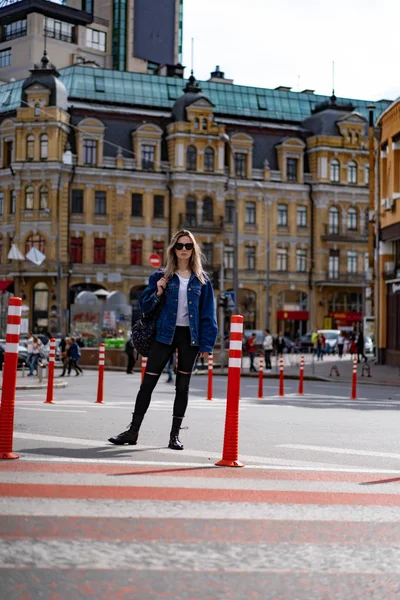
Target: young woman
{"x": 186, "y": 322}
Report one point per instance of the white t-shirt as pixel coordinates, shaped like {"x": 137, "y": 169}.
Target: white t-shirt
{"x": 182, "y": 318}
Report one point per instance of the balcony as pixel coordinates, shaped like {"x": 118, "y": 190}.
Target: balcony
{"x": 333, "y": 278}
{"x": 332, "y": 233}
{"x": 190, "y": 222}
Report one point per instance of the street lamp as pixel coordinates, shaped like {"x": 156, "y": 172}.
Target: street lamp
{"x": 227, "y": 139}
{"x": 268, "y": 254}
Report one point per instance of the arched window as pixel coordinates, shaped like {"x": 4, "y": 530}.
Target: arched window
{"x": 44, "y": 198}
{"x": 352, "y": 172}
{"x": 191, "y": 158}
{"x": 334, "y": 220}
{"x": 205, "y": 124}
{"x": 44, "y": 146}
{"x": 30, "y": 147}
{"x": 352, "y": 219}
{"x": 35, "y": 241}
{"x": 208, "y": 210}
{"x": 191, "y": 214}
{"x": 335, "y": 170}
{"x": 209, "y": 160}
{"x": 40, "y": 316}
{"x": 29, "y": 196}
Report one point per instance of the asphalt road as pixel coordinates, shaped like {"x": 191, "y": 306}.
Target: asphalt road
{"x": 314, "y": 514}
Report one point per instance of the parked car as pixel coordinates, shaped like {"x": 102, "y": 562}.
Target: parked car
{"x": 22, "y": 353}
{"x": 304, "y": 343}
{"x": 369, "y": 345}
{"x": 331, "y": 337}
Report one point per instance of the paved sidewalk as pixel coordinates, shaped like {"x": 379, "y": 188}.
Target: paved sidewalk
{"x": 33, "y": 383}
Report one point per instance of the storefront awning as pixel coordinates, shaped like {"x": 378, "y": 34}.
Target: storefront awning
{"x": 292, "y": 315}
{"x": 4, "y": 284}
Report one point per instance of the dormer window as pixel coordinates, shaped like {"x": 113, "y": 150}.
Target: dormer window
{"x": 30, "y": 147}
{"x": 291, "y": 169}
{"x": 89, "y": 152}
{"x": 240, "y": 164}
{"x": 36, "y": 110}
{"x": 352, "y": 172}
{"x": 191, "y": 158}
{"x": 148, "y": 153}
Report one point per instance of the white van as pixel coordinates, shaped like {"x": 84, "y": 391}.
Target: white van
{"x": 331, "y": 336}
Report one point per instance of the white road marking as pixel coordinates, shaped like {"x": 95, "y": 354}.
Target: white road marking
{"x": 56, "y": 408}
{"x": 340, "y": 451}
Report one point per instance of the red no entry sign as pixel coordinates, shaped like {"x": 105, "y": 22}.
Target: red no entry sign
{"x": 155, "y": 260}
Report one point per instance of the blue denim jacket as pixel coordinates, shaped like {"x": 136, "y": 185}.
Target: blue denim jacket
{"x": 201, "y": 303}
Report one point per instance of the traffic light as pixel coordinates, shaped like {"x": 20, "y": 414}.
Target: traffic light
{"x": 223, "y": 301}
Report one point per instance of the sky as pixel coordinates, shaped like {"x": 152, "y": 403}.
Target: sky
{"x": 267, "y": 43}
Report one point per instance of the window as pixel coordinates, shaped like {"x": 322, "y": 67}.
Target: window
{"x": 228, "y": 257}
{"x": 282, "y": 259}
{"x": 191, "y": 214}
{"x": 76, "y": 250}
{"x": 229, "y": 211}
{"x": 1, "y": 248}
{"x": 77, "y": 201}
{"x": 1, "y": 203}
{"x": 5, "y": 57}
{"x": 301, "y": 261}
{"x": 352, "y": 172}
{"x": 29, "y": 196}
{"x": 58, "y": 29}
{"x": 333, "y": 221}
{"x": 208, "y": 210}
{"x": 137, "y": 205}
{"x": 302, "y": 216}
{"x": 209, "y": 160}
{"x": 43, "y": 198}
{"x": 99, "y": 254}
{"x": 250, "y": 214}
{"x": 282, "y": 215}
{"x": 35, "y": 241}
{"x": 96, "y": 39}
{"x": 44, "y": 146}
{"x": 12, "y": 202}
{"x": 36, "y": 110}
{"x": 291, "y": 169}
{"x": 158, "y": 207}
{"x": 8, "y": 152}
{"x": 207, "y": 249}
{"x": 89, "y": 152}
{"x": 352, "y": 262}
{"x": 148, "y": 153}
{"x": 30, "y": 147}
{"x": 100, "y": 203}
{"x": 240, "y": 164}
{"x": 14, "y": 30}
{"x": 136, "y": 252}
{"x": 352, "y": 219}
{"x": 158, "y": 248}
{"x": 333, "y": 264}
{"x": 366, "y": 174}
{"x": 335, "y": 171}
{"x": 191, "y": 158}
{"x": 251, "y": 258}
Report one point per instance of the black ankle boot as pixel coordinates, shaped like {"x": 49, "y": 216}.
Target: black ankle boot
{"x": 174, "y": 441}
{"x": 131, "y": 435}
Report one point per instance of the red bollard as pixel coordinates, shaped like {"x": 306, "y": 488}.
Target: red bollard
{"x": 210, "y": 377}
{"x": 100, "y": 385}
{"x": 144, "y": 365}
{"x": 50, "y": 377}
{"x": 260, "y": 377}
{"x": 10, "y": 366}
{"x": 231, "y": 436}
{"x": 301, "y": 378}
{"x": 354, "y": 382}
{"x": 281, "y": 384}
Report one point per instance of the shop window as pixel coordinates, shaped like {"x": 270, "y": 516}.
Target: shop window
{"x": 99, "y": 254}
{"x": 136, "y": 252}
{"x": 76, "y": 250}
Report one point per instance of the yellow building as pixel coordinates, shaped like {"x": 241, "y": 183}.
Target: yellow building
{"x": 389, "y": 235}
{"x": 99, "y": 168}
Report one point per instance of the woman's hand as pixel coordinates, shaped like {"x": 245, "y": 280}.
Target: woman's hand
{"x": 204, "y": 355}
{"x": 161, "y": 285}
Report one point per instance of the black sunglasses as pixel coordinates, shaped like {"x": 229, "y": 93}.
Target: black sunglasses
{"x": 180, "y": 246}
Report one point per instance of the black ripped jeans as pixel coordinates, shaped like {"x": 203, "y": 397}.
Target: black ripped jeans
{"x": 158, "y": 358}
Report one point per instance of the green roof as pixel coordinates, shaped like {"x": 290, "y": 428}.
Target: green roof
{"x": 91, "y": 84}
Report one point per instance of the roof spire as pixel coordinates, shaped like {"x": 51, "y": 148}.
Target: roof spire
{"x": 192, "y": 86}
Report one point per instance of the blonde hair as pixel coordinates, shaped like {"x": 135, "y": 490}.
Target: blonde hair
{"x": 195, "y": 263}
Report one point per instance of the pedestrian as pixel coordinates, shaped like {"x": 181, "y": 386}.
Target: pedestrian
{"x": 36, "y": 352}
{"x": 320, "y": 347}
{"x": 75, "y": 355}
{"x": 340, "y": 344}
{"x": 353, "y": 345}
{"x": 251, "y": 351}
{"x": 280, "y": 344}
{"x": 130, "y": 352}
{"x": 64, "y": 358}
{"x": 30, "y": 351}
{"x": 360, "y": 347}
{"x": 268, "y": 345}
{"x": 186, "y": 321}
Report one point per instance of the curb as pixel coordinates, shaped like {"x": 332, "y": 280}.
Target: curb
{"x": 40, "y": 386}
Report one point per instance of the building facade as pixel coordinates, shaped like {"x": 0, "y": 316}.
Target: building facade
{"x": 99, "y": 169}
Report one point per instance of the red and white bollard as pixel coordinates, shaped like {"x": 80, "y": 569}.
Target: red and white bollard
{"x": 231, "y": 436}
{"x": 260, "y": 377}
{"x": 10, "y": 366}
{"x": 100, "y": 385}
{"x": 210, "y": 377}
{"x": 144, "y": 365}
{"x": 354, "y": 380}
{"x": 301, "y": 377}
{"x": 281, "y": 375}
{"x": 50, "y": 377}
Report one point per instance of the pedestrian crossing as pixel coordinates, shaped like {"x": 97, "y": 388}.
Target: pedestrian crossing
{"x": 152, "y": 531}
